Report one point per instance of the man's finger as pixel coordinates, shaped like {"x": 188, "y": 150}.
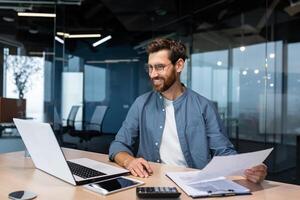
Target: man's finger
{"x": 133, "y": 172}
{"x": 147, "y": 166}
{"x": 253, "y": 179}
{"x": 261, "y": 167}
{"x": 142, "y": 169}
{"x": 138, "y": 171}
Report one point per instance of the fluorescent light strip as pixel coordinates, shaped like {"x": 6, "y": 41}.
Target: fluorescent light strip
{"x": 31, "y": 14}
{"x": 112, "y": 61}
{"x": 67, "y": 35}
{"x": 59, "y": 40}
{"x": 102, "y": 40}
{"x": 83, "y": 36}
{"x": 40, "y": 53}
{"x": 63, "y": 34}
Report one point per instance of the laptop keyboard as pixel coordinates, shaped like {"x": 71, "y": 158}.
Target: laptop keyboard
{"x": 82, "y": 171}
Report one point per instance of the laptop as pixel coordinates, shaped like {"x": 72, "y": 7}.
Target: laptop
{"x": 47, "y": 156}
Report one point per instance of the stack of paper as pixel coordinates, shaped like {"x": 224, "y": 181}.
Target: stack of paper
{"x": 210, "y": 181}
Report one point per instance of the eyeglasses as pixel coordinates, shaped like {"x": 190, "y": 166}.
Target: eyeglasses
{"x": 158, "y": 67}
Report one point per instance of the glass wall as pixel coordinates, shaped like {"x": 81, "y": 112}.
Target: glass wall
{"x": 27, "y": 64}
{"x": 253, "y": 76}
{"x": 293, "y": 85}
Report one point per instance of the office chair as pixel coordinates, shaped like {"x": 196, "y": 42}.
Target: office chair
{"x": 60, "y": 130}
{"x": 71, "y": 119}
{"x": 93, "y": 128}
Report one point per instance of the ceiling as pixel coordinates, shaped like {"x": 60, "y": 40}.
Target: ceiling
{"x": 134, "y": 21}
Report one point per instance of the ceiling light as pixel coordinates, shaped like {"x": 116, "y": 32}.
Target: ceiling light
{"x": 8, "y": 19}
{"x": 242, "y": 48}
{"x": 256, "y": 71}
{"x": 59, "y": 40}
{"x": 68, "y": 35}
{"x": 40, "y": 53}
{"x": 219, "y": 63}
{"x": 244, "y": 72}
{"x": 33, "y": 30}
{"x": 272, "y": 55}
{"x": 102, "y": 40}
{"x": 271, "y": 84}
{"x": 84, "y": 36}
{"x": 63, "y": 34}
{"x": 112, "y": 61}
{"x": 31, "y": 14}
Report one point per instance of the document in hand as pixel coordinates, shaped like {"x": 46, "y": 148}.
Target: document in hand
{"x": 217, "y": 169}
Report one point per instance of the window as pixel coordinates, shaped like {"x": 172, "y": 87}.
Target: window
{"x": 33, "y": 68}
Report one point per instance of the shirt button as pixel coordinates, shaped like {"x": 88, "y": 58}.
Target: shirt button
{"x": 163, "y": 110}
{"x": 160, "y": 97}
{"x": 160, "y": 127}
{"x": 156, "y": 143}
{"x": 158, "y": 161}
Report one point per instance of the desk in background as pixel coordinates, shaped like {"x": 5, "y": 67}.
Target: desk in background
{"x": 18, "y": 173}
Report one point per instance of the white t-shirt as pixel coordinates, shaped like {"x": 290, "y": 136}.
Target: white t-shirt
{"x": 170, "y": 150}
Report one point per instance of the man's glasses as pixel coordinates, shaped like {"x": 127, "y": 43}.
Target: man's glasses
{"x": 158, "y": 67}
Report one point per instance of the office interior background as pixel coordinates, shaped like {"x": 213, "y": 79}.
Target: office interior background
{"x": 242, "y": 54}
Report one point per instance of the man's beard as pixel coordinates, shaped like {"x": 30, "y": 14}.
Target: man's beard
{"x": 166, "y": 83}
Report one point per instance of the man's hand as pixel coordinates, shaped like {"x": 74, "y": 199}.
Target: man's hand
{"x": 256, "y": 174}
{"x": 138, "y": 167}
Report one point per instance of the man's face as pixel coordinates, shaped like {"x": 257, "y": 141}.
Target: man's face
{"x": 161, "y": 71}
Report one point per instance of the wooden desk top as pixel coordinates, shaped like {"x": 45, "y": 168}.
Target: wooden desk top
{"x": 18, "y": 173}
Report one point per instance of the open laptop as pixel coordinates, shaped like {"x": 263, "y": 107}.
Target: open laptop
{"x": 47, "y": 156}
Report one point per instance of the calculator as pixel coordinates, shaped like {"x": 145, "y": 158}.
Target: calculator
{"x": 157, "y": 192}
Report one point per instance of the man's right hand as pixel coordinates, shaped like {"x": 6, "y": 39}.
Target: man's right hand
{"x": 138, "y": 167}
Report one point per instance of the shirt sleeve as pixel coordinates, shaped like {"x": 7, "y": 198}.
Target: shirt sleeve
{"x": 128, "y": 134}
{"x": 219, "y": 143}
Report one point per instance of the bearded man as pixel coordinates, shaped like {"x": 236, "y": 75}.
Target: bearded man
{"x": 172, "y": 124}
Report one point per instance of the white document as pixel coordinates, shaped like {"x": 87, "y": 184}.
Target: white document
{"x": 218, "y": 168}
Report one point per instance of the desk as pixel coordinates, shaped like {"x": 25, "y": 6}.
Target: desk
{"x": 18, "y": 172}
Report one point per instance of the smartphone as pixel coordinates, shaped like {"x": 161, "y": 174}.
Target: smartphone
{"x": 113, "y": 185}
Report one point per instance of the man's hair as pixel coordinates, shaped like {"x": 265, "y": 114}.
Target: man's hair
{"x": 176, "y": 49}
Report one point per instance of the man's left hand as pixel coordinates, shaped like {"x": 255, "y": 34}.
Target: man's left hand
{"x": 256, "y": 174}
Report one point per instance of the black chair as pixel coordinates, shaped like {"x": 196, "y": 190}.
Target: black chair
{"x": 93, "y": 128}
{"x": 70, "y": 125}
{"x": 60, "y": 130}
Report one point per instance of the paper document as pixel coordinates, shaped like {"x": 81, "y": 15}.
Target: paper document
{"x": 217, "y": 187}
{"x": 219, "y": 166}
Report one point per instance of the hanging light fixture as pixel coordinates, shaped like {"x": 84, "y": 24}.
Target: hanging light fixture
{"x": 242, "y": 47}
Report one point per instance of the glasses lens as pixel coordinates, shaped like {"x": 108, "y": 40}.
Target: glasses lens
{"x": 159, "y": 67}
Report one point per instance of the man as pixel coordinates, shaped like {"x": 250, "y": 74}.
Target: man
{"x": 171, "y": 124}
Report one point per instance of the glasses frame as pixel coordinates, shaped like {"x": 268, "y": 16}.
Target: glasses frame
{"x": 158, "y": 67}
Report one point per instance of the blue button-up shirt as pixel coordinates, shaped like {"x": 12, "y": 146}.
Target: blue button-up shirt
{"x": 200, "y": 130}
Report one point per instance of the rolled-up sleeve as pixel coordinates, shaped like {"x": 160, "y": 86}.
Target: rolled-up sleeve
{"x": 127, "y": 136}
{"x": 219, "y": 144}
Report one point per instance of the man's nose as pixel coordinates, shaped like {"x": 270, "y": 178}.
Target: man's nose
{"x": 153, "y": 73}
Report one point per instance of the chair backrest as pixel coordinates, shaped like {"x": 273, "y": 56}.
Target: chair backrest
{"x": 72, "y": 116}
{"x": 97, "y": 118}
{"x": 57, "y": 122}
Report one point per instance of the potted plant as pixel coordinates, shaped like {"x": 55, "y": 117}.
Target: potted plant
{"x": 22, "y": 67}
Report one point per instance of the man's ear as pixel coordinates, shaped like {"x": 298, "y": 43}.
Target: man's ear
{"x": 179, "y": 65}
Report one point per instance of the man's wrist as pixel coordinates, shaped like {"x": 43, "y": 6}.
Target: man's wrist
{"x": 126, "y": 162}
